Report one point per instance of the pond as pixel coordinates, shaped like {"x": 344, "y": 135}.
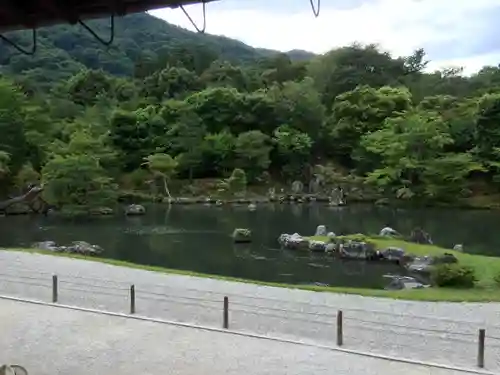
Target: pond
{"x": 197, "y": 238}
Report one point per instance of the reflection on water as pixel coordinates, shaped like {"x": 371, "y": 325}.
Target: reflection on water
{"x": 198, "y": 238}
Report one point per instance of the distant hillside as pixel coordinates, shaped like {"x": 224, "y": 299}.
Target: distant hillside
{"x": 65, "y": 49}
{"x": 300, "y": 55}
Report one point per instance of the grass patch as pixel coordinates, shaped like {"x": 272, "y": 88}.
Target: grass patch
{"x": 485, "y": 291}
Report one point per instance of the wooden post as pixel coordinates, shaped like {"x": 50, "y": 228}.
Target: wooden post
{"x": 55, "y": 293}
{"x": 132, "y": 299}
{"x": 480, "y": 348}
{"x": 340, "y": 330}
{"x": 225, "y": 315}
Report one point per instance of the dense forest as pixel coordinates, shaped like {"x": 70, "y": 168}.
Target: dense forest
{"x": 164, "y": 105}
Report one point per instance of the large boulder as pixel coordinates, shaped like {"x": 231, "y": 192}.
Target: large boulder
{"x": 357, "y": 250}
{"x": 242, "y": 235}
{"x": 424, "y": 264}
{"x": 135, "y": 210}
{"x": 393, "y": 254}
{"x": 388, "y": 232}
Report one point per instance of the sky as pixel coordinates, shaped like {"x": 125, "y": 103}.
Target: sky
{"x": 453, "y": 32}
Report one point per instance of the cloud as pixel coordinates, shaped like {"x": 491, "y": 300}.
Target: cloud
{"x": 451, "y": 31}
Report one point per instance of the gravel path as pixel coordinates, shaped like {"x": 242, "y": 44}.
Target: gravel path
{"x": 47, "y": 341}
{"x": 435, "y": 332}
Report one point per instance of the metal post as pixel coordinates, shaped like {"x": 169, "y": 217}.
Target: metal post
{"x": 132, "y": 299}
{"x": 55, "y": 293}
{"x": 225, "y": 316}
{"x": 480, "y": 348}
{"x": 340, "y": 329}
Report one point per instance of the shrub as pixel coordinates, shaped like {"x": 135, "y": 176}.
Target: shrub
{"x": 453, "y": 275}
{"x": 497, "y": 279}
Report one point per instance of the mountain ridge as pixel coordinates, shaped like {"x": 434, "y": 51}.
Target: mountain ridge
{"x": 66, "y": 49}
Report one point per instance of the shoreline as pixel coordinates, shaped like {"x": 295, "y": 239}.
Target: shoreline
{"x": 126, "y": 198}
{"x": 477, "y": 294}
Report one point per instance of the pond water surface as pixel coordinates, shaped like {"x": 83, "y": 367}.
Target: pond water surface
{"x": 197, "y": 238}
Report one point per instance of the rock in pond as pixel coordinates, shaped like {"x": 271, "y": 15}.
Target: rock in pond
{"x": 404, "y": 282}
{"x": 320, "y": 231}
{"x": 425, "y": 264}
{"x": 317, "y": 246}
{"x": 393, "y": 254}
{"x": 252, "y": 207}
{"x": 135, "y": 210}
{"x": 388, "y": 232}
{"x": 242, "y": 235}
{"x": 356, "y": 250}
{"x": 76, "y": 247}
{"x": 293, "y": 242}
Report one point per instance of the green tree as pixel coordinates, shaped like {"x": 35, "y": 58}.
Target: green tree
{"x": 487, "y": 136}
{"x": 12, "y": 113}
{"x": 27, "y": 175}
{"x": 294, "y": 150}
{"x": 252, "y": 151}
{"x": 131, "y": 137}
{"x": 85, "y": 87}
{"x": 171, "y": 82}
{"x": 218, "y": 152}
{"x": 77, "y": 184}
{"x": 299, "y": 105}
{"x": 162, "y": 166}
{"x": 361, "y": 111}
{"x": 413, "y": 158}
{"x": 184, "y": 139}
{"x": 223, "y": 73}
{"x": 4, "y": 164}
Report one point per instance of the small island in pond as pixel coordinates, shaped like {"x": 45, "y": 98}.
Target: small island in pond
{"x": 451, "y": 273}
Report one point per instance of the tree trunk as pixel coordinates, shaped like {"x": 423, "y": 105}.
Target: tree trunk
{"x": 166, "y": 188}
{"x": 28, "y": 197}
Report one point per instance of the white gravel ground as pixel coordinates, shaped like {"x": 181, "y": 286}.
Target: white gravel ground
{"x": 436, "y": 332}
{"x": 48, "y": 341}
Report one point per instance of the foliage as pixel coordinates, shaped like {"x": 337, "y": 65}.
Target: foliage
{"x": 4, "y": 163}
{"x": 497, "y": 279}
{"x": 162, "y": 166}
{"x": 77, "y": 184}
{"x": 453, "y": 275}
{"x": 163, "y": 103}
{"x": 414, "y": 160}
{"x": 27, "y": 175}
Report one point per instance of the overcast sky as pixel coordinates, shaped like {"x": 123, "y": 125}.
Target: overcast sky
{"x": 453, "y": 32}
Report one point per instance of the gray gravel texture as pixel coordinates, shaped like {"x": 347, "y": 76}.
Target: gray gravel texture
{"x": 47, "y": 340}
{"x": 434, "y": 332}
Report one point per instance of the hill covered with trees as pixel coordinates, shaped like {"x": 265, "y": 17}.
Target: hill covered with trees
{"x": 356, "y": 115}
{"x": 141, "y": 42}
